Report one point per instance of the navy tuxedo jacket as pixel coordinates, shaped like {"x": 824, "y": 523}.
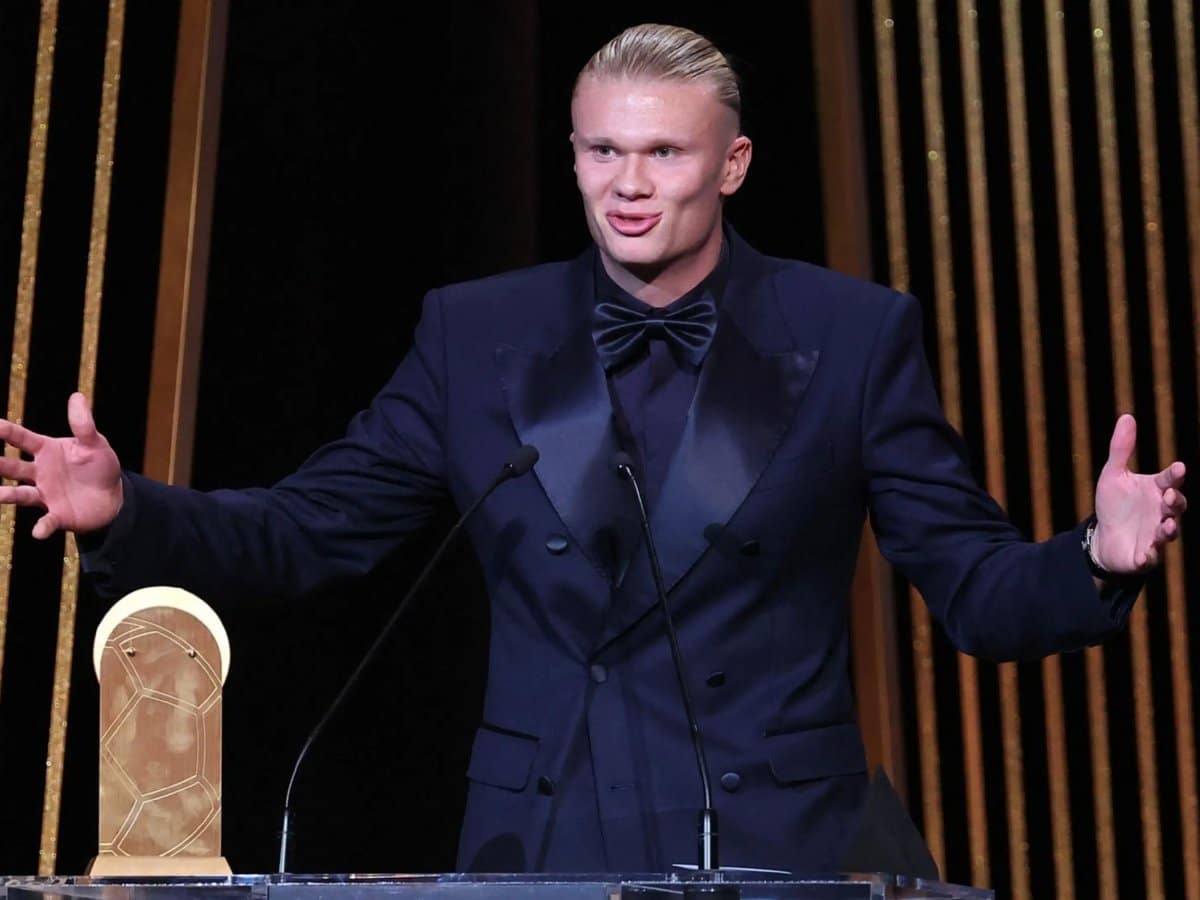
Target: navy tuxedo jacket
{"x": 815, "y": 407}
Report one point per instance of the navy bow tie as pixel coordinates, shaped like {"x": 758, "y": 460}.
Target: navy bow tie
{"x": 621, "y": 332}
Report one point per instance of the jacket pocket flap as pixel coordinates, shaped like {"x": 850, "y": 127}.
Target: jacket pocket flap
{"x": 502, "y": 758}
{"x": 816, "y": 753}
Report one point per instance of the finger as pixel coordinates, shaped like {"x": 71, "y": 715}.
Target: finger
{"x": 17, "y": 469}
{"x": 45, "y": 526}
{"x": 20, "y": 437}
{"x": 1146, "y": 559}
{"x": 1174, "y": 503}
{"x": 1123, "y": 443}
{"x": 21, "y": 495}
{"x": 79, "y": 416}
{"x": 1168, "y": 530}
{"x": 1171, "y": 476}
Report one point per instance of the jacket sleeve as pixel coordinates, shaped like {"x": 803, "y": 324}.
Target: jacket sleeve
{"x": 996, "y": 593}
{"x": 346, "y": 508}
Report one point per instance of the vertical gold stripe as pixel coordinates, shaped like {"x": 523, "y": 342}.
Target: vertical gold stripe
{"x": 1164, "y": 414}
{"x": 1110, "y": 195}
{"x": 993, "y": 429}
{"x": 889, "y": 125}
{"x": 1123, "y": 381}
{"x": 47, "y": 855}
{"x": 922, "y": 640}
{"x": 1081, "y": 447}
{"x": 26, "y": 276}
{"x": 927, "y": 734}
{"x": 101, "y": 197}
{"x": 939, "y": 202}
{"x": 1185, "y": 732}
{"x": 183, "y": 263}
{"x": 926, "y": 701}
{"x": 1035, "y": 418}
{"x": 943, "y": 273}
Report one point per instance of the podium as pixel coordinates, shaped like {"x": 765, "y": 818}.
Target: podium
{"x": 454, "y": 886}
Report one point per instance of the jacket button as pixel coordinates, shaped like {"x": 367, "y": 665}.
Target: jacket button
{"x": 716, "y": 679}
{"x": 731, "y": 781}
{"x": 556, "y": 544}
{"x": 599, "y": 674}
{"x": 546, "y": 786}
{"x": 751, "y": 548}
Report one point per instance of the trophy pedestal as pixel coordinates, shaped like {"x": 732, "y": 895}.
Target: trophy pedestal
{"x": 109, "y": 865}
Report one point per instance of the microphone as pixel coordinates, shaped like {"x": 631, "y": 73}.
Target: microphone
{"x": 521, "y": 462}
{"x": 518, "y": 464}
{"x": 707, "y": 831}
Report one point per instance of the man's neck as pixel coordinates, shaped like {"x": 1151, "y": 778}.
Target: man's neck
{"x": 662, "y": 287}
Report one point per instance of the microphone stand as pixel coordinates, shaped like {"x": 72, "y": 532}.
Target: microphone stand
{"x": 520, "y": 463}
{"x": 707, "y": 831}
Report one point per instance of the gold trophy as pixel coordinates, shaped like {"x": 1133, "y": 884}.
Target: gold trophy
{"x": 161, "y": 655}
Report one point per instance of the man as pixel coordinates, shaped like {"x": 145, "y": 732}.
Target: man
{"x": 768, "y": 405}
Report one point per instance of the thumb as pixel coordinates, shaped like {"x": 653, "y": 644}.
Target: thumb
{"x": 1123, "y": 443}
{"x": 45, "y": 526}
{"x": 79, "y": 417}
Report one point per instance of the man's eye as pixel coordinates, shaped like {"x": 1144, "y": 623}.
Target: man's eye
{"x": 664, "y": 152}
{"x": 603, "y": 151}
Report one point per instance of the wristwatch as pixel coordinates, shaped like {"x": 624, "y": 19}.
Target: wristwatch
{"x": 1089, "y": 551}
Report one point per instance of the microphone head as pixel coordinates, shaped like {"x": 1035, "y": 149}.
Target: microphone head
{"x": 622, "y": 462}
{"x": 522, "y": 461}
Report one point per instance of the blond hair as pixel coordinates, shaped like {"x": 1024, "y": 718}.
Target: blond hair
{"x": 667, "y": 53}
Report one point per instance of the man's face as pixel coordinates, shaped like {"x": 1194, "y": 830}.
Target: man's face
{"x": 653, "y": 160}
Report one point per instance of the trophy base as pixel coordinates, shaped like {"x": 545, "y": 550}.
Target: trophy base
{"x": 108, "y": 865}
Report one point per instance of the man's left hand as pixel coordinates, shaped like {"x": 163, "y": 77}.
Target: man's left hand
{"x": 1136, "y": 515}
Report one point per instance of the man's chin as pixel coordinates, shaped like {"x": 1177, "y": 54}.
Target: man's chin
{"x": 636, "y": 259}
{"x": 646, "y": 271}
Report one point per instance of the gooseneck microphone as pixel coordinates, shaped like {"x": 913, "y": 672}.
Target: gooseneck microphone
{"x": 707, "y": 826}
{"x": 518, "y": 464}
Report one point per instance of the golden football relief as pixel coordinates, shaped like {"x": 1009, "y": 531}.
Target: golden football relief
{"x": 161, "y": 655}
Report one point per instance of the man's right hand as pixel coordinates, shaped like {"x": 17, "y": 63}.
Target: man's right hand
{"x": 77, "y": 480}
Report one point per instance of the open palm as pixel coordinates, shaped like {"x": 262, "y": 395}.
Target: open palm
{"x": 1136, "y": 514}
{"x": 76, "y": 480}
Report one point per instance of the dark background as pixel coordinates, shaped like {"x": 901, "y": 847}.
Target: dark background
{"x": 369, "y": 153}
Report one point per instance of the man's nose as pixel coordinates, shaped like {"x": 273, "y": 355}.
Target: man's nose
{"x": 633, "y": 181}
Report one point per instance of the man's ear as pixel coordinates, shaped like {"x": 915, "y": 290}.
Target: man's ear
{"x": 737, "y": 163}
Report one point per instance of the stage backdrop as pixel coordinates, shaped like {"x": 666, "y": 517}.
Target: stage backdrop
{"x": 221, "y": 222}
